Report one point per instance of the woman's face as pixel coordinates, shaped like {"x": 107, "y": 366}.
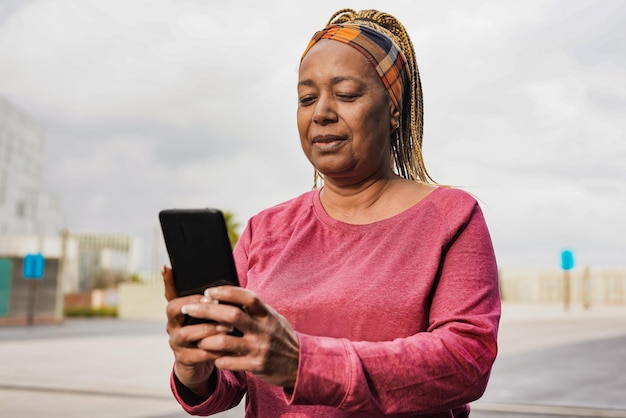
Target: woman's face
{"x": 345, "y": 115}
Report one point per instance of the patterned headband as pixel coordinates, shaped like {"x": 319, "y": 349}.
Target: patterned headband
{"x": 386, "y": 57}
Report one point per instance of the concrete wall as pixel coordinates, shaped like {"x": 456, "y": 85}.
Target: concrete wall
{"x": 141, "y": 301}
{"x": 52, "y": 247}
{"x": 602, "y": 286}
{"x": 29, "y": 301}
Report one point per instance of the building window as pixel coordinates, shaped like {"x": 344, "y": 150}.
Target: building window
{"x": 21, "y": 209}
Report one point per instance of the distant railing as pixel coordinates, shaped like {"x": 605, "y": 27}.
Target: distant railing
{"x": 586, "y": 286}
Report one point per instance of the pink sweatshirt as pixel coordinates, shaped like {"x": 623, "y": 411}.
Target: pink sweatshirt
{"x": 394, "y": 318}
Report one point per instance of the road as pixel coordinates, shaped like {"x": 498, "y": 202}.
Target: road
{"x": 552, "y": 363}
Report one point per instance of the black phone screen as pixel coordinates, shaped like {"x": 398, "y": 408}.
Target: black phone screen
{"x": 199, "y": 249}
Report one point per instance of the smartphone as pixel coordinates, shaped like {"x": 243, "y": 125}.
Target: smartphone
{"x": 199, "y": 250}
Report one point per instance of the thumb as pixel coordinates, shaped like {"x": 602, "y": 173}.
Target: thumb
{"x": 168, "y": 282}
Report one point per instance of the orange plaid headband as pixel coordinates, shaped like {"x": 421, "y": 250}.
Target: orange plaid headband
{"x": 386, "y": 57}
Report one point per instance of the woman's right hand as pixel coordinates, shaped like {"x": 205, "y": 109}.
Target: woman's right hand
{"x": 193, "y": 366}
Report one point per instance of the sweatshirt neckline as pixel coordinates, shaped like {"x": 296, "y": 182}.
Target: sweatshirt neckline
{"x": 323, "y": 216}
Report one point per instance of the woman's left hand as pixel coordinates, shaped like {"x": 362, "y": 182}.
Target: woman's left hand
{"x": 268, "y": 348}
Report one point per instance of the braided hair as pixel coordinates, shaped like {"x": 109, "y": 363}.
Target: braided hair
{"x": 406, "y": 141}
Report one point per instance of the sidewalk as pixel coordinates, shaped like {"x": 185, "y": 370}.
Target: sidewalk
{"x": 558, "y": 363}
{"x": 525, "y": 327}
{"x": 549, "y": 359}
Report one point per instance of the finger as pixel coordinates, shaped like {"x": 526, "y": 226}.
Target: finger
{"x": 175, "y": 316}
{"x": 228, "y": 361}
{"x": 168, "y": 282}
{"x": 224, "y": 345}
{"x": 210, "y": 309}
{"x": 276, "y": 364}
{"x": 244, "y": 298}
{"x": 189, "y": 337}
{"x": 174, "y": 306}
{"x": 192, "y": 355}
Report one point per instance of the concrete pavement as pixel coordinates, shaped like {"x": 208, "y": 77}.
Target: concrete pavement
{"x": 552, "y": 363}
{"x": 558, "y": 363}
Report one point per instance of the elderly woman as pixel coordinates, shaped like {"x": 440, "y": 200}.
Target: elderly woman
{"x": 373, "y": 295}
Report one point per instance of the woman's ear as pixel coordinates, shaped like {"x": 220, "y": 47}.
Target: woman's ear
{"x": 394, "y": 116}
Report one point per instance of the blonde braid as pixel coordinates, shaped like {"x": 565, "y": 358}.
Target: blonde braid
{"x": 406, "y": 141}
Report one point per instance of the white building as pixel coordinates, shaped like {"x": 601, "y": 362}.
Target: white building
{"x": 31, "y": 221}
{"x": 98, "y": 252}
{"x": 26, "y": 207}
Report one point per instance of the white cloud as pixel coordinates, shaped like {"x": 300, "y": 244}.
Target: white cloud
{"x": 171, "y": 103}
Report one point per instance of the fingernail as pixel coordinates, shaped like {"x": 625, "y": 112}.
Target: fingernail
{"x": 224, "y": 328}
{"x": 186, "y": 309}
{"x": 207, "y": 297}
{"x": 211, "y": 291}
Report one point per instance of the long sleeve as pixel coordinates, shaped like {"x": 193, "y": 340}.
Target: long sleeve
{"x": 442, "y": 368}
{"x": 228, "y": 392}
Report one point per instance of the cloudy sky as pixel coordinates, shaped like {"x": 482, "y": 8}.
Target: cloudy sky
{"x": 191, "y": 103}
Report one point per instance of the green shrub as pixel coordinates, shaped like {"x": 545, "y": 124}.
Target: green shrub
{"x": 89, "y": 312}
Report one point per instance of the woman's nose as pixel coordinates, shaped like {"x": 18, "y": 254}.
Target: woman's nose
{"x": 325, "y": 111}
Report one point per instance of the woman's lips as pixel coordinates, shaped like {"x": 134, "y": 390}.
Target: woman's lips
{"x": 327, "y": 142}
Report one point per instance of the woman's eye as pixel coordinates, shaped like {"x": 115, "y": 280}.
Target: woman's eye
{"x": 306, "y": 100}
{"x": 347, "y": 97}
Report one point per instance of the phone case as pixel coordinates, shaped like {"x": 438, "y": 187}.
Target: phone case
{"x": 199, "y": 249}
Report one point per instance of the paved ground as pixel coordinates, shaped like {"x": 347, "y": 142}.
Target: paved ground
{"x": 552, "y": 363}
{"x": 557, "y": 363}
